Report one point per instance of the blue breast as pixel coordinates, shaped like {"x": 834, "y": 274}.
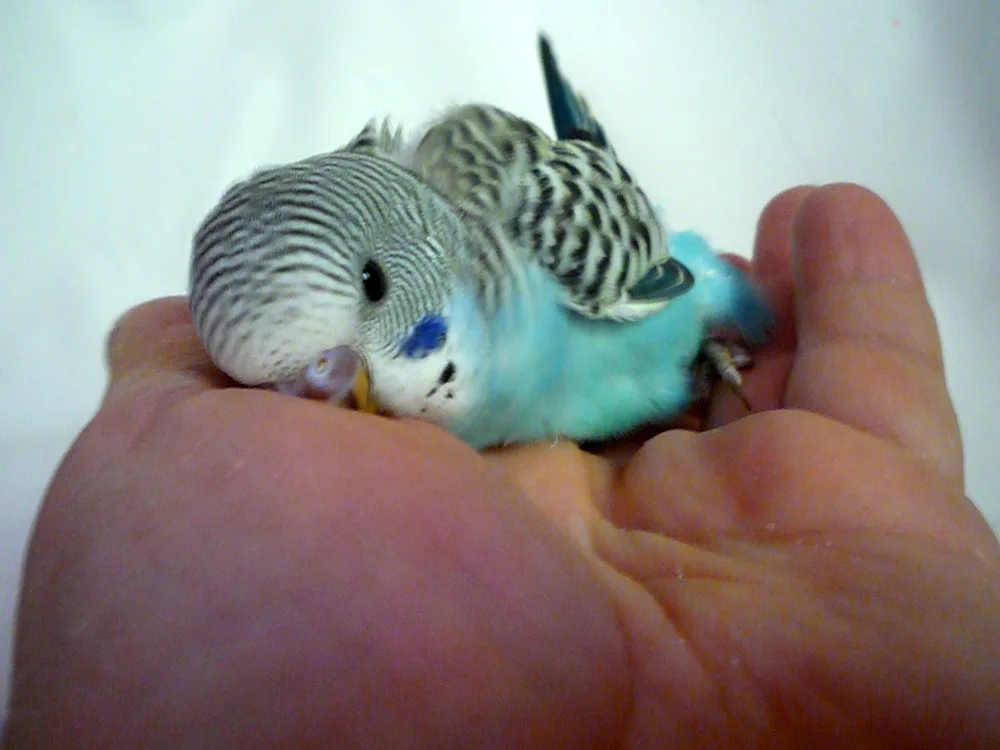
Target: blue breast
{"x": 545, "y": 371}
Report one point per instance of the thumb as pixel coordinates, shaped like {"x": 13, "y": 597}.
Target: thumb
{"x": 156, "y": 343}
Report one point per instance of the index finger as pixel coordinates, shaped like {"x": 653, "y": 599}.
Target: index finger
{"x": 869, "y": 354}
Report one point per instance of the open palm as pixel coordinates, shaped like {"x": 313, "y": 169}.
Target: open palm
{"x": 214, "y": 566}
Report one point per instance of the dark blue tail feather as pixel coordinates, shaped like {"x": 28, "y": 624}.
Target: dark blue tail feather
{"x": 569, "y": 112}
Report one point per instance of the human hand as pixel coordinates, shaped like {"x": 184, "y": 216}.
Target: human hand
{"x": 221, "y": 567}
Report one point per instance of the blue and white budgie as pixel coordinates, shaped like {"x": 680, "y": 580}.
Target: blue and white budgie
{"x": 505, "y": 285}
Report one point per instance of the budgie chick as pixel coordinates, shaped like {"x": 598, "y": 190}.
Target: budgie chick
{"x": 505, "y": 285}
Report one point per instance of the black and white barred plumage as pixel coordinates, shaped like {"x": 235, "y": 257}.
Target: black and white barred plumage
{"x": 481, "y": 192}
{"x": 278, "y": 266}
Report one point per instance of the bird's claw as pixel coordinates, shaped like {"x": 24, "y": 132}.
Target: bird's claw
{"x": 722, "y": 361}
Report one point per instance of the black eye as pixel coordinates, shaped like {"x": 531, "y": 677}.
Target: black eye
{"x": 373, "y": 281}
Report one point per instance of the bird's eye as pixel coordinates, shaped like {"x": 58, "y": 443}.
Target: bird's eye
{"x": 373, "y": 281}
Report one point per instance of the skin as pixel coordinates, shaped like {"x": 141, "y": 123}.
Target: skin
{"x": 220, "y": 567}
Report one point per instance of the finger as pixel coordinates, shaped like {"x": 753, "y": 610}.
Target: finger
{"x": 794, "y": 476}
{"x": 771, "y": 270}
{"x": 771, "y": 265}
{"x": 773, "y": 239}
{"x": 571, "y": 487}
{"x": 156, "y": 341}
{"x": 868, "y": 354}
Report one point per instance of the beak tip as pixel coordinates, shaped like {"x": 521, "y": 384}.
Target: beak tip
{"x": 361, "y": 391}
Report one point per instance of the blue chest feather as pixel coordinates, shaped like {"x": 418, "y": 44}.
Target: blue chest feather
{"x": 549, "y": 372}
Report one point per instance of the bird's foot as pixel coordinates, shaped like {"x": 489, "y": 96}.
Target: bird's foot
{"x": 721, "y": 361}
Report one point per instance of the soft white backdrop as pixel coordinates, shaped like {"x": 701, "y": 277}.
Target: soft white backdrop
{"x": 121, "y": 121}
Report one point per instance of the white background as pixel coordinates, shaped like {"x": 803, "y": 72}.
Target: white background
{"x": 121, "y": 121}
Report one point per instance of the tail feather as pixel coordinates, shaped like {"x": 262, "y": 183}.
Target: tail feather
{"x": 726, "y": 290}
{"x": 570, "y": 114}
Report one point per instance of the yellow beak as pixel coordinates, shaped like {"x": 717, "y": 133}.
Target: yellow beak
{"x": 362, "y": 391}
